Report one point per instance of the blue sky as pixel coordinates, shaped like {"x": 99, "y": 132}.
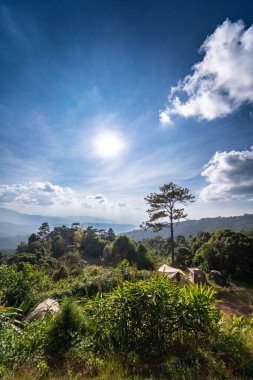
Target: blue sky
{"x": 100, "y": 104}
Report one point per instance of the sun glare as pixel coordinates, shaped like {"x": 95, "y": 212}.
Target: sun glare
{"x": 108, "y": 145}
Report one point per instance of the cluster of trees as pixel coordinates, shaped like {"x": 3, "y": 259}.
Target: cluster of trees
{"x": 224, "y": 250}
{"x": 69, "y": 249}
{"x": 227, "y": 251}
{"x": 73, "y": 247}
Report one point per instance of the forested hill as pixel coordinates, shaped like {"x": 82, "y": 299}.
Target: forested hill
{"x": 16, "y": 227}
{"x": 192, "y": 227}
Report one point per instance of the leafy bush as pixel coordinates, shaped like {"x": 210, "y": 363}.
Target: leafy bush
{"x": 61, "y": 273}
{"x": 236, "y": 344}
{"x": 150, "y": 320}
{"x": 21, "y": 346}
{"x": 229, "y": 252}
{"x": 9, "y": 314}
{"x": 99, "y": 279}
{"x": 19, "y": 285}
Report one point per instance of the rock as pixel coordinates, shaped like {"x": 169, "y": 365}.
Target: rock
{"x": 47, "y": 306}
{"x": 218, "y": 278}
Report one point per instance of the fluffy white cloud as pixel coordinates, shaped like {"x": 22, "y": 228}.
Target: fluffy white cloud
{"x": 229, "y": 175}
{"x": 53, "y": 199}
{"x": 36, "y": 193}
{"x": 221, "y": 82}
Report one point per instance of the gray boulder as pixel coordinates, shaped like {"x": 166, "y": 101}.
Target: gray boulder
{"x": 218, "y": 278}
{"x": 47, "y": 306}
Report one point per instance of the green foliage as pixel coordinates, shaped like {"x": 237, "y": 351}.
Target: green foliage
{"x": 20, "y": 346}
{"x": 183, "y": 257}
{"x": 22, "y": 247}
{"x": 198, "y": 241}
{"x": 163, "y": 211}
{"x": 58, "y": 247}
{"x": 44, "y": 230}
{"x": 229, "y": 252}
{"x": 143, "y": 259}
{"x": 34, "y": 243}
{"x": 74, "y": 262}
{"x": 63, "y": 332}
{"x": 108, "y": 235}
{"x": 146, "y": 329}
{"x": 91, "y": 245}
{"x": 18, "y": 285}
{"x": 157, "y": 246}
{"x": 124, "y": 248}
{"x": 99, "y": 279}
{"x": 131, "y": 322}
{"x": 236, "y": 343}
{"x": 151, "y": 319}
{"x": 61, "y": 273}
{"x": 248, "y": 233}
{"x": 9, "y": 314}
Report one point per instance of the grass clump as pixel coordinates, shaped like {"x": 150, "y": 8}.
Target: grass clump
{"x": 63, "y": 332}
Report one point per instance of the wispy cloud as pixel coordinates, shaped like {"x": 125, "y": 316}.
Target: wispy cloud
{"x": 145, "y": 174}
{"x": 221, "y": 82}
{"x": 229, "y": 175}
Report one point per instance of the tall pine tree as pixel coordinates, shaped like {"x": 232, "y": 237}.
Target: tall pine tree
{"x": 164, "y": 212}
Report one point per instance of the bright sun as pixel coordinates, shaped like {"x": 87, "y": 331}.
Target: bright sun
{"x": 108, "y": 144}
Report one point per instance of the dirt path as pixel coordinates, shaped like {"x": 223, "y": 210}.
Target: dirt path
{"x": 231, "y": 303}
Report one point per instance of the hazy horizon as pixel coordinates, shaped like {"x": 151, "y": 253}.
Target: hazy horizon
{"x": 103, "y": 102}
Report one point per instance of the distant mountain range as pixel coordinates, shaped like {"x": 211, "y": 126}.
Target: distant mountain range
{"x": 16, "y": 227}
{"x": 192, "y": 227}
{"x": 11, "y": 216}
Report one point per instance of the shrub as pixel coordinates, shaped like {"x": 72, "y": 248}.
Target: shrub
{"x": 151, "y": 319}
{"x": 18, "y": 347}
{"x": 19, "y": 285}
{"x": 235, "y": 343}
{"x": 63, "y": 332}
{"x": 61, "y": 273}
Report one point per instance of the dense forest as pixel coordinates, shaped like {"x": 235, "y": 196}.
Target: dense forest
{"x": 118, "y": 318}
{"x": 193, "y": 227}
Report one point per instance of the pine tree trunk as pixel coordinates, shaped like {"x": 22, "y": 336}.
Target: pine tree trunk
{"x": 172, "y": 241}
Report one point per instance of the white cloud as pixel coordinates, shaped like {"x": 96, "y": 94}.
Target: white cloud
{"x": 229, "y": 175}
{"x": 164, "y": 118}
{"x": 221, "y": 82}
{"x": 44, "y": 197}
{"x": 37, "y": 194}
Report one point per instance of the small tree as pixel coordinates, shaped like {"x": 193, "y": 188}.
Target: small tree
{"x": 164, "y": 205}
{"x": 110, "y": 235}
{"x": 44, "y": 230}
